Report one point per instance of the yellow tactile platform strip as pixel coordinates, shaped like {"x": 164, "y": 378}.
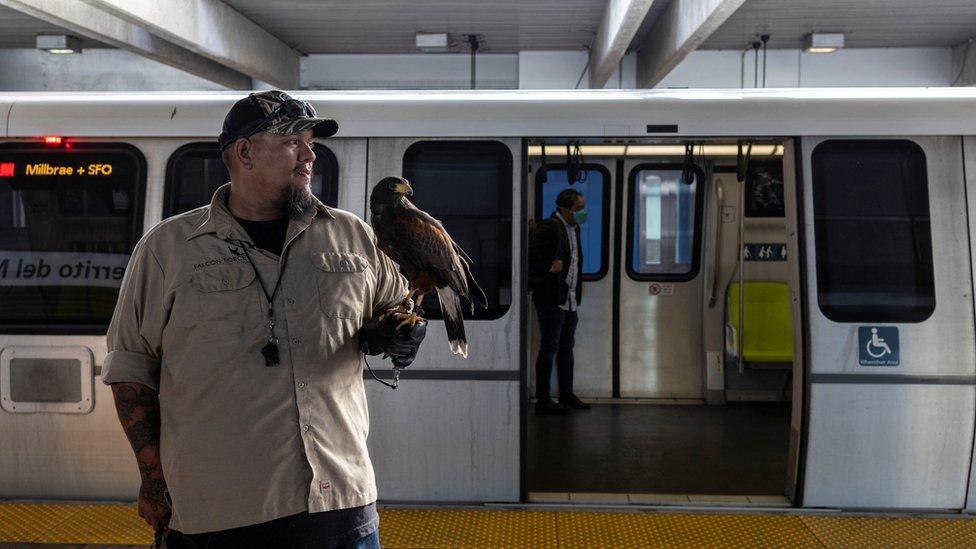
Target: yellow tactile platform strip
{"x": 463, "y": 528}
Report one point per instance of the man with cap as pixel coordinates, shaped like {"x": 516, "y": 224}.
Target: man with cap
{"x": 234, "y": 352}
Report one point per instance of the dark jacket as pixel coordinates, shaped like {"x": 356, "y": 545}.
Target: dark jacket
{"x": 548, "y": 242}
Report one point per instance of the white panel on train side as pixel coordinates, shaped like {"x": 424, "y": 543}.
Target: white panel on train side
{"x": 898, "y": 437}
{"x": 5, "y": 107}
{"x": 351, "y": 157}
{"x": 454, "y": 438}
{"x": 496, "y": 113}
{"x": 445, "y": 440}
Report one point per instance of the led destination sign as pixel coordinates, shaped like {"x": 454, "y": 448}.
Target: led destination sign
{"x": 47, "y": 170}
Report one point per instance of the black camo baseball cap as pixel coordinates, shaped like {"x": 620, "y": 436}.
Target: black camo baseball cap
{"x": 272, "y": 111}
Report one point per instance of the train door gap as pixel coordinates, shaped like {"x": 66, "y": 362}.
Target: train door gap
{"x": 674, "y": 420}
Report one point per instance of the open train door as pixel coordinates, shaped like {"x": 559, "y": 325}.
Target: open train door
{"x": 890, "y": 335}
{"x": 660, "y": 282}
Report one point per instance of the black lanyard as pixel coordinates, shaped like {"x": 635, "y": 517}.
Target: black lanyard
{"x": 270, "y": 351}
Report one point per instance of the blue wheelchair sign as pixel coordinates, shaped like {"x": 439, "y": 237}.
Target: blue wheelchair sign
{"x": 877, "y": 346}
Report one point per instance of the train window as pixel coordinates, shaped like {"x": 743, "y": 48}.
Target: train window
{"x": 195, "y": 171}
{"x": 663, "y": 232}
{"x": 872, "y": 231}
{"x": 467, "y": 185}
{"x": 595, "y": 186}
{"x": 69, "y": 218}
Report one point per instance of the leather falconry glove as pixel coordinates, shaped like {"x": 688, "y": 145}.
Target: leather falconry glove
{"x": 380, "y": 336}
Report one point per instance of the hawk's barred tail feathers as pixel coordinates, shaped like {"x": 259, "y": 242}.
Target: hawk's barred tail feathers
{"x": 453, "y": 320}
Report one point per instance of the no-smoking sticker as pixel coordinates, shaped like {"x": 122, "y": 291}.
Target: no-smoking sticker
{"x": 657, "y": 288}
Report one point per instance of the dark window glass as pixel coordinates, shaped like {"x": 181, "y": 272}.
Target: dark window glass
{"x": 467, "y": 185}
{"x": 664, "y": 213}
{"x": 45, "y": 380}
{"x": 595, "y": 186}
{"x": 873, "y": 236}
{"x": 69, "y": 218}
{"x": 196, "y": 170}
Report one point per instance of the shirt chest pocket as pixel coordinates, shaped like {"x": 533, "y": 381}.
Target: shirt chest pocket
{"x": 225, "y": 300}
{"x": 342, "y": 283}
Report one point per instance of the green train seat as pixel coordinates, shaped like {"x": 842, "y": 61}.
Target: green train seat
{"x": 768, "y": 335}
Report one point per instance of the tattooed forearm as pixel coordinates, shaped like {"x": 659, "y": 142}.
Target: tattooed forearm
{"x": 145, "y": 431}
{"x": 130, "y": 397}
{"x": 153, "y": 491}
{"x": 148, "y": 469}
{"x": 138, "y": 408}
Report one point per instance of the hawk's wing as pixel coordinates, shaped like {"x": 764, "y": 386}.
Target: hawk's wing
{"x": 427, "y": 247}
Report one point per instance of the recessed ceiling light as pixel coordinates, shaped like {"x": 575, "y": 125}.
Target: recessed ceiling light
{"x": 431, "y": 42}
{"x": 823, "y": 42}
{"x": 58, "y": 43}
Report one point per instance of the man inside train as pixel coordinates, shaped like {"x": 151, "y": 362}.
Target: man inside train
{"x": 234, "y": 353}
{"x": 555, "y": 279}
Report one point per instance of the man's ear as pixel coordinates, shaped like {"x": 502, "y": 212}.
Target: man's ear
{"x": 244, "y": 150}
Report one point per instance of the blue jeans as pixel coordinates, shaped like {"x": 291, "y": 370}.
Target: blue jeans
{"x": 301, "y": 531}
{"x": 372, "y": 541}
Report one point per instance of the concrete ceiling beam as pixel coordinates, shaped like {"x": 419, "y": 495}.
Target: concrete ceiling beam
{"x": 216, "y": 31}
{"x": 621, "y": 19}
{"x": 964, "y": 63}
{"x": 83, "y": 19}
{"x": 683, "y": 26}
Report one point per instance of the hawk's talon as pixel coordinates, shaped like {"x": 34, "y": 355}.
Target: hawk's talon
{"x": 408, "y": 318}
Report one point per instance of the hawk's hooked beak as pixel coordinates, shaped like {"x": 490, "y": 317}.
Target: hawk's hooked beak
{"x": 404, "y": 188}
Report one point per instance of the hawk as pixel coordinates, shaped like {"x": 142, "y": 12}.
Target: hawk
{"x": 427, "y": 256}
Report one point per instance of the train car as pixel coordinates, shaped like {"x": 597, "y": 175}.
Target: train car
{"x": 777, "y": 308}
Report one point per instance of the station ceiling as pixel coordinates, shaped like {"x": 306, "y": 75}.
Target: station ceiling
{"x": 509, "y": 26}
{"x": 865, "y": 23}
{"x": 233, "y": 41}
{"x": 19, "y": 30}
{"x": 389, "y": 26}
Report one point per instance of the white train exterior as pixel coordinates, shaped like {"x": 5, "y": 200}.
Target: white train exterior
{"x": 898, "y": 437}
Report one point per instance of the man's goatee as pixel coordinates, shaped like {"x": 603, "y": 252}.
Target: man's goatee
{"x": 297, "y": 199}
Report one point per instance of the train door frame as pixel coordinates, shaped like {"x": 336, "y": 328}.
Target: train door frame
{"x": 795, "y": 259}
{"x": 620, "y": 241}
{"x": 969, "y": 175}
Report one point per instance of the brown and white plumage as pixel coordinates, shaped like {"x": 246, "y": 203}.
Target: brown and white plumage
{"x": 427, "y": 255}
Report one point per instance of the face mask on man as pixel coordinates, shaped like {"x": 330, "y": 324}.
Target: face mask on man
{"x": 579, "y": 217}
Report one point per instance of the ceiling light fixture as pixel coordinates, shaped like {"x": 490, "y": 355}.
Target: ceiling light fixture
{"x": 58, "y": 43}
{"x": 823, "y": 42}
{"x": 431, "y": 42}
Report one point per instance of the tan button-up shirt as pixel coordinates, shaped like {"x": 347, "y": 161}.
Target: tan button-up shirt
{"x": 242, "y": 443}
